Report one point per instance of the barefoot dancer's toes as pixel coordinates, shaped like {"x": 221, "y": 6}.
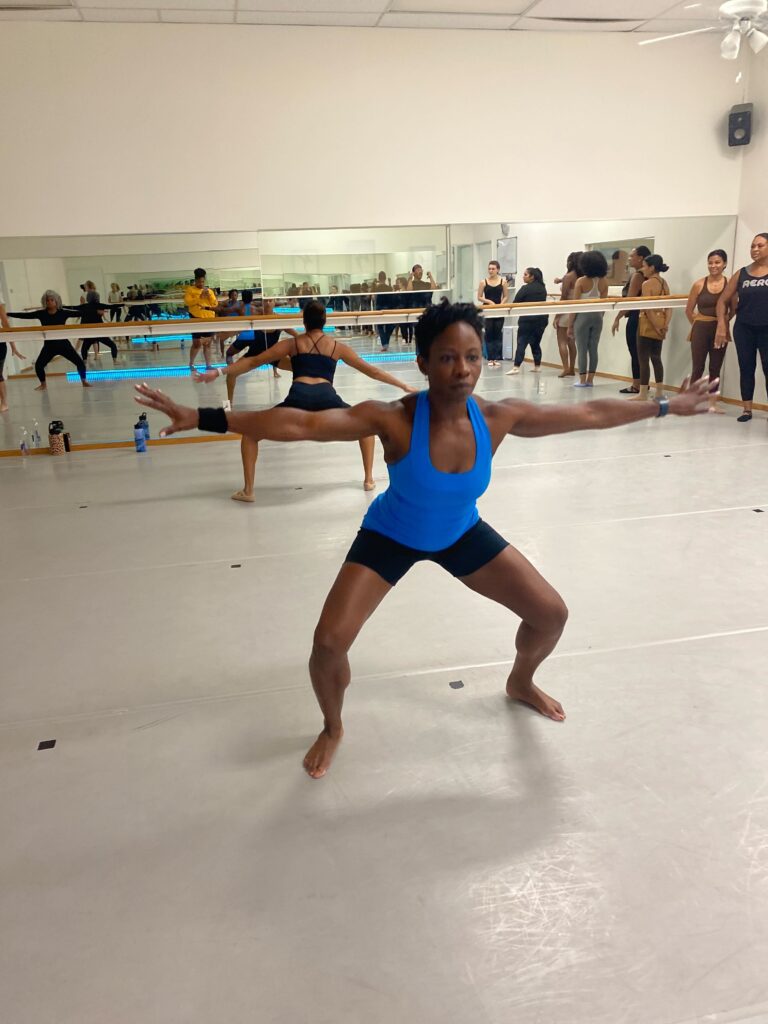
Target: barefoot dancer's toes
{"x": 320, "y": 754}
{"x": 538, "y": 700}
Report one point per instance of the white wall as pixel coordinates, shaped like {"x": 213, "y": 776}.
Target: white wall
{"x": 502, "y": 131}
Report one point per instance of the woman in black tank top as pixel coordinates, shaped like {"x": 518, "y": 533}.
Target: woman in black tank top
{"x": 313, "y": 361}
{"x": 493, "y": 291}
{"x": 748, "y": 291}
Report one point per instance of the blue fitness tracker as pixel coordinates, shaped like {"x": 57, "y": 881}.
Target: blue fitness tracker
{"x": 663, "y": 404}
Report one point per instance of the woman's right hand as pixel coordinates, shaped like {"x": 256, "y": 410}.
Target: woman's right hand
{"x": 204, "y": 378}
{"x": 615, "y": 325}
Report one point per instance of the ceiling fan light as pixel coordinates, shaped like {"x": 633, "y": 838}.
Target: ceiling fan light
{"x": 757, "y": 39}
{"x": 729, "y": 48}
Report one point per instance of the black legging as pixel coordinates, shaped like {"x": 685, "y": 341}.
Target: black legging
{"x": 116, "y": 313}
{"x": 96, "y": 341}
{"x": 529, "y": 333}
{"x": 633, "y": 322}
{"x": 406, "y": 333}
{"x": 494, "y": 333}
{"x": 751, "y": 341}
{"x": 60, "y": 347}
{"x": 649, "y": 351}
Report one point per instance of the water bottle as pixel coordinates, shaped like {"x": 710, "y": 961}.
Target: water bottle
{"x": 24, "y": 442}
{"x": 139, "y": 438}
{"x": 144, "y": 425}
{"x": 183, "y": 346}
{"x": 36, "y": 435}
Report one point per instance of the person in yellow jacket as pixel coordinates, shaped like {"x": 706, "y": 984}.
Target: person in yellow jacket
{"x": 201, "y": 304}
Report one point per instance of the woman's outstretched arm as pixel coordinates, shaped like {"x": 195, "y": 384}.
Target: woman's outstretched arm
{"x": 363, "y": 420}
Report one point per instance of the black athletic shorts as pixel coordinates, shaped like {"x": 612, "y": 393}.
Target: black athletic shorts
{"x": 313, "y": 398}
{"x": 392, "y": 560}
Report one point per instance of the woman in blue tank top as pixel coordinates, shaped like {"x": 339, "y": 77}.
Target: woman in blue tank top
{"x": 438, "y": 446}
{"x": 314, "y": 358}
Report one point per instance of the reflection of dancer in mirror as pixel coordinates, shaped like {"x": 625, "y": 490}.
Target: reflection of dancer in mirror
{"x": 566, "y": 346}
{"x": 632, "y": 290}
{"x": 54, "y": 313}
{"x": 530, "y": 329}
{"x": 747, "y": 293}
{"x": 438, "y": 446}
{"x": 702, "y": 316}
{"x": 252, "y": 343}
{"x": 314, "y": 358}
{"x": 493, "y": 291}
{"x": 3, "y": 354}
{"x": 201, "y": 304}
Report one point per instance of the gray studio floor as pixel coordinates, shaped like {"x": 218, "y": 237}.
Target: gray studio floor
{"x": 465, "y": 862}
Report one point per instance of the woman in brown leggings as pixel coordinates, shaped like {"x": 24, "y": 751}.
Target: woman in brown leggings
{"x": 702, "y": 315}
{"x": 653, "y": 327}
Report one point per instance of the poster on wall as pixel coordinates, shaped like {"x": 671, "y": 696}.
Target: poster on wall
{"x": 506, "y": 254}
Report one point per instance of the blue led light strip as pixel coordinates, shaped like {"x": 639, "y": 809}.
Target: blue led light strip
{"x": 149, "y": 372}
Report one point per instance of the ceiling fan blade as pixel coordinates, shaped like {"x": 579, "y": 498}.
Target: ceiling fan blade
{"x": 676, "y": 35}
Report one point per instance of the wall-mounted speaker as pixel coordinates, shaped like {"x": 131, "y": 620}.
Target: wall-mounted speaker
{"x": 740, "y": 125}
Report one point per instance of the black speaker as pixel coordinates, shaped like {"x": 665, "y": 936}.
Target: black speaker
{"x": 740, "y": 125}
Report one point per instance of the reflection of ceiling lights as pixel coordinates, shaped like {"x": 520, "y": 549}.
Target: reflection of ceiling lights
{"x": 729, "y": 48}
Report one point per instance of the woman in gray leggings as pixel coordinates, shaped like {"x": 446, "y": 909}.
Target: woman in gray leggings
{"x": 587, "y": 327}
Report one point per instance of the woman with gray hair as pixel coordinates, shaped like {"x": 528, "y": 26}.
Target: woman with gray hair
{"x": 53, "y": 314}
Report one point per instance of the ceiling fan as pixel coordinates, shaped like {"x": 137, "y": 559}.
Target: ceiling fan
{"x": 745, "y": 18}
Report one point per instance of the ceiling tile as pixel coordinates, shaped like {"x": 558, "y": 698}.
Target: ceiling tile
{"x": 198, "y": 17}
{"x": 632, "y": 10}
{"x": 481, "y": 21}
{"x": 547, "y": 25}
{"x": 183, "y": 5}
{"x": 119, "y": 14}
{"x": 310, "y": 18}
{"x": 662, "y": 25}
{"x": 707, "y": 11}
{"x": 461, "y": 6}
{"x": 66, "y": 14}
{"x": 315, "y": 6}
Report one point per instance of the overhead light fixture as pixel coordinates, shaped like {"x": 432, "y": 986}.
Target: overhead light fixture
{"x": 757, "y": 39}
{"x": 729, "y": 48}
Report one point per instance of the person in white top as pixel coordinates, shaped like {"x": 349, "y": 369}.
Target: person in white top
{"x": 3, "y": 353}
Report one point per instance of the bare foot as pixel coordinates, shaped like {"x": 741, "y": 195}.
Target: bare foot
{"x": 276, "y": 373}
{"x": 86, "y": 384}
{"x": 41, "y": 387}
{"x": 717, "y": 412}
{"x": 530, "y": 694}
{"x": 369, "y": 485}
{"x": 242, "y": 496}
{"x": 638, "y": 398}
{"x": 320, "y": 754}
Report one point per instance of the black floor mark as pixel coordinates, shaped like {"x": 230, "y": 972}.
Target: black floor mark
{"x": 456, "y": 684}
{"x": 237, "y": 565}
{"x": 758, "y": 510}
{"x": 298, "y": 488}
{"x": 667, "y": 456}
{"x": 46, "y": 744}
{"x": 83, "y": 506}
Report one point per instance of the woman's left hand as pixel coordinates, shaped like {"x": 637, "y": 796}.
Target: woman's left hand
{"x": 181, "y": 416}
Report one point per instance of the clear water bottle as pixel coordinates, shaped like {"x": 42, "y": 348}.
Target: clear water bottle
{"x": 143, "y": 420}
{"x": 139, "y": 438}
{"x": 36, "y": 439}
{"x": 24, "y": 442}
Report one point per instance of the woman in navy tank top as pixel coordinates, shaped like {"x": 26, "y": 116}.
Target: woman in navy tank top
{"x": 438, "y": 446}
{"x": 747, "y": 291}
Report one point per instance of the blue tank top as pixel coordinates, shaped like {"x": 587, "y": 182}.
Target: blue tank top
{"x": 422, "y": 507}
{"x": 314, "y": 364}
{"x": 248, "y": 336}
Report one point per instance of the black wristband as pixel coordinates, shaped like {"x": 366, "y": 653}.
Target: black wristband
{"x": 212, "y": 420}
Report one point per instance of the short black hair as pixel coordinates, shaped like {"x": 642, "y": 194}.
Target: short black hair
{"x": 573, "y": 261}
{"x": 247, "y": 295}
{"x": 642, "y": 250}
{"x": 436, "y": 319}
{"x": 593, "y": 264}
{"x": 199, "y": 272}
{"x": 314, "y": 316}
